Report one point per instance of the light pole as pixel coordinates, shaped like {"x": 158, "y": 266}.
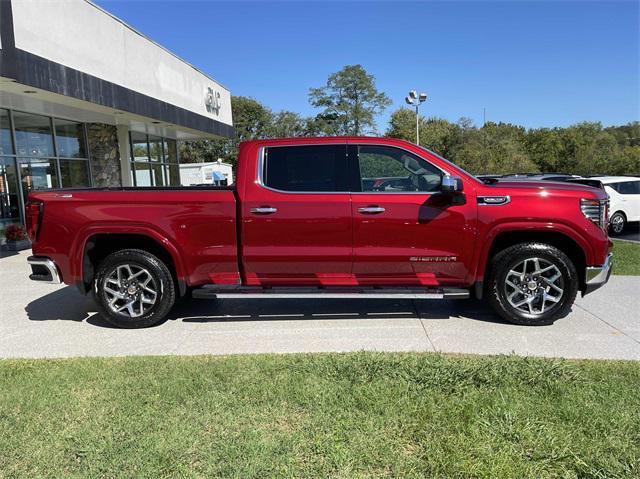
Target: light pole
{"x": 416, "y": 100}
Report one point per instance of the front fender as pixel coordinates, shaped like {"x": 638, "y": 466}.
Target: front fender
{"x": 492, "y": 234}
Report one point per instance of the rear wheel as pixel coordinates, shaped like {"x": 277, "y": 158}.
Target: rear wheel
{"x": 133, "y": 289}
{"x": 617, "y": 223}
{"x": 532, "y": 284}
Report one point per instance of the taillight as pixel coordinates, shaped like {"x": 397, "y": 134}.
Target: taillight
{"x": 33, "y": 218}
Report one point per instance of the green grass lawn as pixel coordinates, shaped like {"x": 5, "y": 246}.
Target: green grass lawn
{"x": 320, "y": 415}
{"x": 626, "y": 258}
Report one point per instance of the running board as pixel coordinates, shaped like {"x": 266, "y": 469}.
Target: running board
{"x": 251, "y": 292}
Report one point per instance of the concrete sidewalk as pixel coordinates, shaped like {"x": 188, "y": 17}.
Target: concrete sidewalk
{"x": 40, "y": 320}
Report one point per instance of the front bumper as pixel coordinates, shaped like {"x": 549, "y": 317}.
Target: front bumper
{"x": 44, "y": 270}
{"x": 597, "y": 276}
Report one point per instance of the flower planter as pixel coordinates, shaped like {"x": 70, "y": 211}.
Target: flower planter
{"x": 16, "y": 238}
{"x": 17, "y": 245}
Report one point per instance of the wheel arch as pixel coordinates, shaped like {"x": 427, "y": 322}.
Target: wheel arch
{"x": 574, "y": 247}
{"x": 621, "y": 212}
{"x": 98, "y": 245}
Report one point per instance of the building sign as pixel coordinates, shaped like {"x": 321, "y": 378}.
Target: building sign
{"x": 212, "y": 101}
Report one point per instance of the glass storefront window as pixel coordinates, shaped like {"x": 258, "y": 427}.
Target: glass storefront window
{"x": 9, "y": 193}
{"x": 6, "y": 143}
{"x": 37, "y": 174}
{"x": 33, "y": 134}
{"x": 174, "y": 174}
{"x": 74, "y": 173}
{"x": 159, "y": 175}
{"x": 139, "y": 147}
{"x": 70, "y": 139}
{"x": 155, "y": 148}
{"x": 48, "y": 153}
{"x": 170, "y": 151}
{"x": 154, "y": 161}
{"x": 142, "y": 173}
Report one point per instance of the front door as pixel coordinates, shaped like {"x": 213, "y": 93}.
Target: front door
{"x": 405, "y": 230}
{"x": 296, "y": 217}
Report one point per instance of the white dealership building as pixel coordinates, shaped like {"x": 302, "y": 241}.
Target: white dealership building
{"x": 88, "y": 101}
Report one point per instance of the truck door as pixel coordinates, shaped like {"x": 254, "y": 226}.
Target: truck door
{"x": 405, "y": 230}
{"x": 296, "y": 217}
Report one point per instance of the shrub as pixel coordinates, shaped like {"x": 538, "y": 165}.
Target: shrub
{"x": 15, "y": 233}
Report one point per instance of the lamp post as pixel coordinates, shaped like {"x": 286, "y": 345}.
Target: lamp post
{"x": 416, "y": 100}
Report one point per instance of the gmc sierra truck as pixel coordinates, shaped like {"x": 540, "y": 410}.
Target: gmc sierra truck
{"x": 352, "y": 217}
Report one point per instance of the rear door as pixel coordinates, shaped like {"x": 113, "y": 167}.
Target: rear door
{"x": 405, "y": 230}
{"x": 630, "y": 192}
{"x": 296, "y": 217}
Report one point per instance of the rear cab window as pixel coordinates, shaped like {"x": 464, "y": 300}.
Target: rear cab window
{"x": 308, "y": 168}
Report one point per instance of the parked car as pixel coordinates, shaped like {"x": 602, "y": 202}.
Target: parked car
{"x": 302, "y": 222}
{"x": 624, "y": 197}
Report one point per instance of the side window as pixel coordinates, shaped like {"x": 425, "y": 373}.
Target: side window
{"x": 390, "y": 170}
{"x": 615, "y": 186}
{"x": 306, "y": 168}
{"x": 629, "y": 188}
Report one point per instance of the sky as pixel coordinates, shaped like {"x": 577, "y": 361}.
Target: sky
{"x": 536, "y": 64}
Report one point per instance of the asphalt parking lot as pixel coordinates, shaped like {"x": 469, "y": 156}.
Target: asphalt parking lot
{"x": 40, "y": 320}
{"x": 631, "y": 233}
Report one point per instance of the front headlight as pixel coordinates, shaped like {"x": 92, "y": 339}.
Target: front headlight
{"x": 596, "y": 211}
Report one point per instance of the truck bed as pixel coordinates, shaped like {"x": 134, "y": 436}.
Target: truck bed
{"x": 196, "y": 224}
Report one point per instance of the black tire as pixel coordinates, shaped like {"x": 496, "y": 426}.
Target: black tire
{"x": 503, "y": 265}
{"x": 617, "y": 223}
{"x": 161, "y": 282}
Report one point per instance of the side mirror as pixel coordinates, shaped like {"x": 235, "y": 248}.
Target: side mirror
{"x": 451, "y": 184}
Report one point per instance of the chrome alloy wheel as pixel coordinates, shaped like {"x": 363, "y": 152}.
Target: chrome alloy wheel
{"x": 130, "y": 290}
{"x": 617, "y": 223}
{"x": 534, "y": 285}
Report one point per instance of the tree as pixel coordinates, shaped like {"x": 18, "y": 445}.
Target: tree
{"x": 545, "y": 147}
{"x": 496, "y": 148}
{"x": 402, "y": 124}
{"x": 288, "y": 124}
{"x": 436, "y": 134}
{"x": 251, "y": 120}
{"x": 202, "y": 151}
{"x": 350, "y": 102}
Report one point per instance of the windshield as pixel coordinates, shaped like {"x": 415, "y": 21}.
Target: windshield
{"x": 449, "y": 162}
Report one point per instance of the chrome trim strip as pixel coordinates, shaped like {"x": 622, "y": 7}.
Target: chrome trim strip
{"x": 50, "y": 265}
{"x": 260, "y": 172}
{"x": 481, "y": 200}
{"x": 423, "y": 193}
{"x": 599, "y": 274}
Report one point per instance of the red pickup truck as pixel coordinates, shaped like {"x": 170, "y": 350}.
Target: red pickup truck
{"x": 348, "y": 217}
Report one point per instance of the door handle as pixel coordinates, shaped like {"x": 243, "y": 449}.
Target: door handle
{"x": 264, "y": 210}
{"x": 371, "y": 210}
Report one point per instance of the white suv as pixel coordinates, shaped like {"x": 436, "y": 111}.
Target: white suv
{"x": 624, "y": 197}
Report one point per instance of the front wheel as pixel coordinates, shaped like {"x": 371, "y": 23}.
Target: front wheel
{"x": 133, "y": 289}
{"x": 532, "y": 284}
